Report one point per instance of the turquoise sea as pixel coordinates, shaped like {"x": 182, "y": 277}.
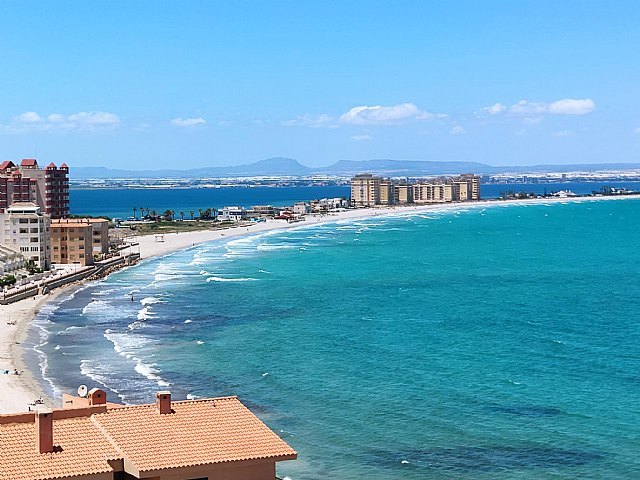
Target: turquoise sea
{"x": 483, "y": 343}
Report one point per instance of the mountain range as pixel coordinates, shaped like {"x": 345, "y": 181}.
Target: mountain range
{"x": 290, "y": 167}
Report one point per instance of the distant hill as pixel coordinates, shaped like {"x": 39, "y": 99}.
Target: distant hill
{"x": 270, "y": 166}
{"x": 403, "y": 167}
{"x": 290, "y": 167}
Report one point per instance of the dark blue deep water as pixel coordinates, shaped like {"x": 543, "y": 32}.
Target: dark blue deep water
{"x": 119, "y": 203}
{"x": 483, "y": 343}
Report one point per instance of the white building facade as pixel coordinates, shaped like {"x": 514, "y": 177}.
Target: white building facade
{"x": 233, "y": 214}
{"x": 25, "y": 229}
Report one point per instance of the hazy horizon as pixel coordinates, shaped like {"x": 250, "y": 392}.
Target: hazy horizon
{"x": 188, "y": 85}
{"x": 317, "y": 167}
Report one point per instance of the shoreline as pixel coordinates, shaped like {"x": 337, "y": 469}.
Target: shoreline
{"x": 18, "y": 391}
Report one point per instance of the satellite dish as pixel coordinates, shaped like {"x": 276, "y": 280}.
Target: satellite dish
{"x": 82, "y": 391}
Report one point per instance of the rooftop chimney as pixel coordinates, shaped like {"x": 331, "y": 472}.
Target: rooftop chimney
{"x": 97, "y": 396}
{"x": 163, "y": 402}
{"x": 44, "y": 431}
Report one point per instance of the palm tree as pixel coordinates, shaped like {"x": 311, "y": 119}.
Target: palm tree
{"x": 191, "y": 212}
{"x": 215, "y": 213}
{"x": 200, "y": 210}
{"x": 173, "y": 214}
{"x": 182, "y": 214}
{"x": 134, "y": 212}
{"x": 167, "y": 215}
{"x": 154, "y": 214}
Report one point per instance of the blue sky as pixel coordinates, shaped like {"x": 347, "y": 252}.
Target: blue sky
{"x": 163, "y": 84}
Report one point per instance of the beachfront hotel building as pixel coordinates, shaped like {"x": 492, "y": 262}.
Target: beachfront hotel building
{"x": 92, "y": 439}
{"x": 27, "y": 182}
{"x": 368, "y": 190}
{"x": 25, "y": 229}
{"x": 365, "y": 190}
{"x": 77, "y": 240}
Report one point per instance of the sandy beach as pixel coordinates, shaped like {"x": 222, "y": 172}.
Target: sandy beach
{"x": 17, "y": 392}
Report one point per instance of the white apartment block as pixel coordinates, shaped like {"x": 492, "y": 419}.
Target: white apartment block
{"x": 25, "y": 229}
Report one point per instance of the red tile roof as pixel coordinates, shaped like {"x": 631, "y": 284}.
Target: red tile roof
{"x": 79, "y": 450}
{"x": 51, "y": 166}
{"x": 29, "y": 162}
{"x": 6, "y": 164}
{"x": 196, "y": 433}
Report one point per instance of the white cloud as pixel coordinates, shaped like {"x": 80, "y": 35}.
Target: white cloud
{"x": 524, "y": 106}
{"x": 313, "y": 121}
{"x": 571, "y": 106}
{"x": 188, "y": 122}
{"x": 379, "y": 115}
{"x": 360, "y": 138}
{"x": 565, "y": 106}
{"x": 458, "y": 130}
{"x": 637, "y": 131}
{"x": 495, "y": 109}
{"x": 28, "y": 117}
{"x": 93, "y": 118}
{"x": 56, "y": 118}
{"x": 88, "y": 121}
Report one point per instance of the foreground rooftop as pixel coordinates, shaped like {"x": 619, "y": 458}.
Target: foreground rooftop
{"x": 164, "y": 441}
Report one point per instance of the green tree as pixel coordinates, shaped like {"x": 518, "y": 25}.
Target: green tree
{"x": 181, "y": 214}
{"x": 30, "y": 266}
{"x": 191, "y": 212}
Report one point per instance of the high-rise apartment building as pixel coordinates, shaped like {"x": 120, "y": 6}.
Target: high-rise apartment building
{"x": 403, "y": 193}
{"x": 432, "y": 193}
{"x": 368, "y": 190}
{"x": 48, "y": 188}
{"x": 387, "y": 192}
{"x": 473, "y": 183}
{"x": 365, "y": 190}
